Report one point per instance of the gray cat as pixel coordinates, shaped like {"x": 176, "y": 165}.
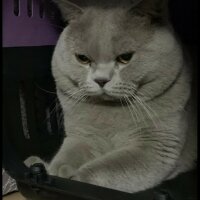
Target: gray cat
{"x": 125, "y": 88}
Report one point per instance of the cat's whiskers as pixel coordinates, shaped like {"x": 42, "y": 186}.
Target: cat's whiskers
{"x": 137, "y": 106}
{"x": 60, "y": 120}
{"x": 54, "y": 108}
{"x": 69, "y": 98}
{"x": 52, "y": 111}
{"x": 133, "y": 108}
{"x": 123, "y": 107}
{"x": 130, "y": 110}
{"x": 50, "y": 92}
{"x": 137, "y": 114}
{"x": 154, "y": 112}
{"x": 77, "y": 102}
{"x": 139, "y": 103}
{"x": 148, "y": 112}
{"x": 72, "y": 95}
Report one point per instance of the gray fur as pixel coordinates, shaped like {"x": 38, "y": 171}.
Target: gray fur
{"x": 144, "y": 140}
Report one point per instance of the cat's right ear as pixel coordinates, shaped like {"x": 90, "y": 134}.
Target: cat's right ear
{"x": 156, "y": 10}
{"x": 69, "y": 10}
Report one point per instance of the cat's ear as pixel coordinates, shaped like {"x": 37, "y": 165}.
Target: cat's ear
{"x": 69, "y": 10}
{"x": 157, "y": 10}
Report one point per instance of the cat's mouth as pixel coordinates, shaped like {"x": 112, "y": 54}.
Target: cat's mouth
{"x": 104, "y": 99}
{"x": 109, "y": 97}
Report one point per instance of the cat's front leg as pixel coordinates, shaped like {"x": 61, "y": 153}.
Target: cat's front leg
{"x": 131, "y": 168}
{"x": 73, "y": 153}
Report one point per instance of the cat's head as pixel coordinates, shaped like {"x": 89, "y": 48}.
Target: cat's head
{"x": 115, "y": 51}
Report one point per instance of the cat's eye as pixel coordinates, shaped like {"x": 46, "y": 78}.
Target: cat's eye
{"x": 124, "y": 58}
{"x": 83, "y": 59}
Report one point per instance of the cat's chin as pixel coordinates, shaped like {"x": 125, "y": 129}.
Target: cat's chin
{"x": 103, "y": 97}
{"x": 106, "y": 97}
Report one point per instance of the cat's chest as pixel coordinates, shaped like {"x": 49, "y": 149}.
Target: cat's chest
{"x": 98, "y": 119}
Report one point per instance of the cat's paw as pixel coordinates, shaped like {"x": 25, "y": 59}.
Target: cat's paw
{"x": 93, "y": 175}
{"x": 87, "y": 176}
{"x": 62, "y": 170}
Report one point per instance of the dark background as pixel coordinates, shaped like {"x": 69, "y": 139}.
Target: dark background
{"x": 184, "y": 16}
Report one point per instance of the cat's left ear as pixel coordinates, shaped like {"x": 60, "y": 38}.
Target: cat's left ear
{"x": 69, "y": 10}
{"x": 156, "y": 10}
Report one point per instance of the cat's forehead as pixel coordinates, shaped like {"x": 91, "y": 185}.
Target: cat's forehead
{"x": 106, "y": 32}
{"x": 99, "y": 22}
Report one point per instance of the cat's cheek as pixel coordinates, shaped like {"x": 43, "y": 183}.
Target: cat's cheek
{"x": 63, "y": 170}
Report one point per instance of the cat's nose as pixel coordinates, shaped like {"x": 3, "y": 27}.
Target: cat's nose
{"x": 101, "y": 82}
